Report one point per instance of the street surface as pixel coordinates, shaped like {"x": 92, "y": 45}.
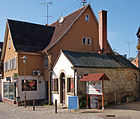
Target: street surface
{"x": 122, "y": 111}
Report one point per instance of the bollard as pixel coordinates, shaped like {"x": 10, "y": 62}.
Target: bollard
{"x": 33, "y": 104}
{"x": 55, "y": 106}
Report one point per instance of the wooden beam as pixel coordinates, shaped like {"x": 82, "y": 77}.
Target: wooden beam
{"x": 103, "y": 94}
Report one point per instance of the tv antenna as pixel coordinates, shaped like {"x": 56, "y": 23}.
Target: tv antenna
{"x": 47, "y": 9}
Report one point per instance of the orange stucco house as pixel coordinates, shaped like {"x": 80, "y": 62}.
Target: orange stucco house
{"x": 41, "y": 45}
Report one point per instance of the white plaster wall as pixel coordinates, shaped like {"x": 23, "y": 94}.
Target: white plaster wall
{"x": 30, "y": 95}
{"x": 55, "y": 97}
{"x": 63, "y": 64}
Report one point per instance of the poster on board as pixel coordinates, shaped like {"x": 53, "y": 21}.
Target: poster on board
{"x": 94, "y": 87}
{"x": 93, "y": 101}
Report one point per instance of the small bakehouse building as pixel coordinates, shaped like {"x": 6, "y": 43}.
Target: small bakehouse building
{"x": 72, "y": 66}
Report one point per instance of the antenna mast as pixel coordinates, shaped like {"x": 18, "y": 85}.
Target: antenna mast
{"x": 47, "y": 9}
{"x": 129, "y": 43}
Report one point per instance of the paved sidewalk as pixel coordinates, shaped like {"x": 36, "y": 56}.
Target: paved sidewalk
{"x": 8, "y": 111}
{"x": 122, "y": 111}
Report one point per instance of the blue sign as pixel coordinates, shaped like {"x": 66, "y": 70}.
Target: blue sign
{"x": 73, "y": 102}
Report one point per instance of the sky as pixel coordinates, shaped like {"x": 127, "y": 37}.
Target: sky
{"x": 123, "y": 17}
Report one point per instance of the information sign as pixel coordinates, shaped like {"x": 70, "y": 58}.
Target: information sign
{"x": 73, "y": 102}
{"x": 94, "y": 87}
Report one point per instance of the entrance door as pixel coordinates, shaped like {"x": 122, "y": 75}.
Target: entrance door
{"x": 62, "y": 88}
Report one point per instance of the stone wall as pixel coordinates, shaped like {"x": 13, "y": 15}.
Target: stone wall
{"x": 123, "y": 82}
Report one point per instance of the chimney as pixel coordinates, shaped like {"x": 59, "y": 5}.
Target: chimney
{"x": 103, "y": 30}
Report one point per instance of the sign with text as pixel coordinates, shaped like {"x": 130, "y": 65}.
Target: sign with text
{"x": 94, "y": 87}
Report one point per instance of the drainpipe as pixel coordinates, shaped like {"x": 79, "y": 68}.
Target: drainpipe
{"x": 50, "y": 88}
{"x": 50, "y": 78}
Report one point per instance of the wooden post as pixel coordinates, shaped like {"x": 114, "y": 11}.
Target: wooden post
{"x": 55, "y": 106}
{"x": 33, "y": 104}
{"x": 103, "y": 94}
{"x": 87, "y": 100}
{"x": 98, "y": 102}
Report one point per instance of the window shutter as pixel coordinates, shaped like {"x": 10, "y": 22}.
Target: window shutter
{"x": 72, "y": 85}
{"x": 12, "y": 63}
{"x": 68, "y": 84}
{"x": 15, "y": 62}
{"x": 56, "y": 84}
{"x": 52, "y": 84}
{"x": 4, "y": 67}
{"x": 8, "y": 65}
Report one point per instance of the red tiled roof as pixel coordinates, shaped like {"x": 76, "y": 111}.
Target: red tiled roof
{"x": 94, "y": 77}
{"x": 62, "y": 28}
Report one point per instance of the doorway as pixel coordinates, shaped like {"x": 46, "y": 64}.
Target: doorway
{"x": 62, "y": 88}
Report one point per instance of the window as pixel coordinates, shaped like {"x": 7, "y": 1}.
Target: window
{"x": 55, "y": 84}
{"x": 9, "y": 90}
{"x": 31, "y": 85}
{"x": 9, "y": 43}
{"x": 88, "y": 41}
{"x": 87, "y": 17}
{"x": 70, "y": 85}
{"x": 14, "y": 63}
{"x": 46, "y": 62}
{"x": 84, "y": 41}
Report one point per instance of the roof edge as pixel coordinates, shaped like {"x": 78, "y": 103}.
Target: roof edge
{"x": 68, "y": 27}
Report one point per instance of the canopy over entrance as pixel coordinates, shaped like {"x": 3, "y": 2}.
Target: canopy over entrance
{"x": 94, "y": 77}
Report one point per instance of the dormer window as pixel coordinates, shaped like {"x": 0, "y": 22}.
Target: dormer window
{"x": 9, "y": 43}
{"x": 87, "y": 17}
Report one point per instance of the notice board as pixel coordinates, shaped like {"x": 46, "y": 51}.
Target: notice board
{"x": 94, "y": 87}
{"x": 73, "y": 102}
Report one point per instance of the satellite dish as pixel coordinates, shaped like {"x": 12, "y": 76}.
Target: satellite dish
{"x": 61, "y": 19}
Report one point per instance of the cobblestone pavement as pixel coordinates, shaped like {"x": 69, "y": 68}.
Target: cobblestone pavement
{"x": 123, "y": 111}
{"x": 8, "y": 111}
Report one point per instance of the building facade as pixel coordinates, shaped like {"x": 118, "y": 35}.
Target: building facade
{"x": 41, "y": 44}
{"x": 72, "y": 66}
{"x": 23, "y": 61}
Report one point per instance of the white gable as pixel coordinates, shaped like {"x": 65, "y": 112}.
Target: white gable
{"x": 63, "y": 65}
